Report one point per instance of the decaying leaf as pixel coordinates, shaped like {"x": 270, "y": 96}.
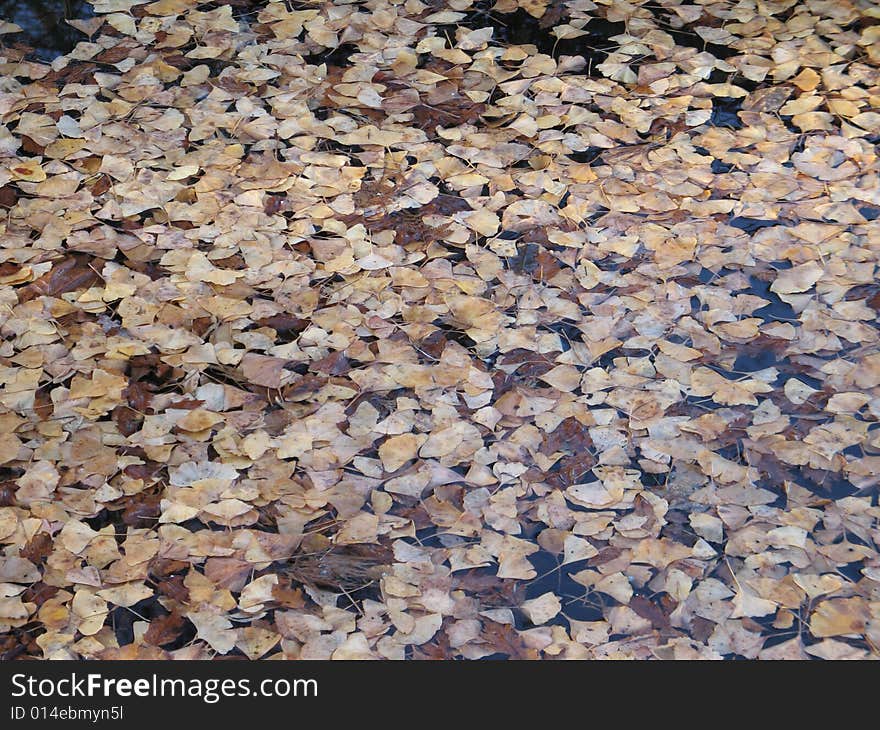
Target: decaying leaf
{"x": 365, "y": 330}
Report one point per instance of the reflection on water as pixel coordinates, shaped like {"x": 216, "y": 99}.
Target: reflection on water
{"x": 43, "y": 26}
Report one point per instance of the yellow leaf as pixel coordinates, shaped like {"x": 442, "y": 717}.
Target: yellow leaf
{"x": 563, "y": 377}
{"x": 183, "y": 172}
{"x": 483, "y": 221}
{"x": 90, "y": 610}
{"x": 542, "y": 609}
{"x": 398, "y": 450}
{"x": 198, "y": 420}
{"x": 126, "y": 594}
{"x": 748, "y": 604}
{"x": 214, "y": 629}
{"x": 839, "y": 617}
{"x": 807, "y": 80}
{"x": 27, "y": 170}
{"x": 361, "y": 528}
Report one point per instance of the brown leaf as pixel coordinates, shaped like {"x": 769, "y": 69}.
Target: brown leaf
{"x": 174, "y": 588}
{"x": 570, "y": 435}
{"x": 127, "y": 420}
{"x": 263, "y": 370}
{"x": 70, "y": 274}
{"x": 7, "y": 493}
{"x": 142, "y": 509}
{"x": 165, "y": 629}
{"x": 333, "y": 364}
{"x": 38, "y": 548}
{"x": 284, "y": 324}
{"x": 287, "y": 596}
{"x": 163, "y": 567}
{"x": 504, "y": 639}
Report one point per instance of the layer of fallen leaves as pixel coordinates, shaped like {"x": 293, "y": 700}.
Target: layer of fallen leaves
{"x": 442, "y": 329}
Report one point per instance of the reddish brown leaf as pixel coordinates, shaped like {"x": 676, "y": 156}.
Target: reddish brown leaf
{"x": 165, "y": 629}
{"x": 37, "y": 549}
{"x": 504, "y": 639}
{"x": 71, "y": 274}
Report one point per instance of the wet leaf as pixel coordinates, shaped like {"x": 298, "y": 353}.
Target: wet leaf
{"x": 360, "y": 331}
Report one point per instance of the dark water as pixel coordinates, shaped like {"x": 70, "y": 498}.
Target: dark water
{"x": 724, "y": 113}
{"x": 44, "y": 29}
